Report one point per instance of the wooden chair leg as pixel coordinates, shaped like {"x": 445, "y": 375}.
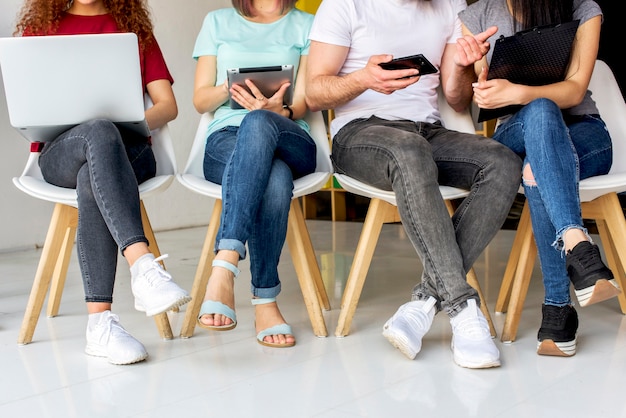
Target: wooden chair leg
{"x": 472, "y": 279}
{"x": 62, "y": 263}
{"x": 161, "y": 320}
{"x": 519, "y": 289}
{"x": 611, "y": 252}
{"x": 307, "y": 269}
{"x": 523, "y": 228}
{"x": 608, "y": 208}
{"x": 378, "y": 213}
{"x": 203, "y": 272}
{"x": 62, "y": 216}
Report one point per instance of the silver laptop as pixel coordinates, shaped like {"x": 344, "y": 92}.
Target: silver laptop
{"x": 53, "y": 83}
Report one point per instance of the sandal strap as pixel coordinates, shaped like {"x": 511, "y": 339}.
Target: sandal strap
{"x": 228, "y": 266}
{"x": 262, "y": 301}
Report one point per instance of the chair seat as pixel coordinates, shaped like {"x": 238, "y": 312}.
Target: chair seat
{"x": 38, "y": 188}
{"x": 597, "y": 186}
{"x": 362, "y": 189}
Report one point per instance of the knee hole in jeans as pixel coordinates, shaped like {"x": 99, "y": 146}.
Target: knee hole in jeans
{"x": 528, "y": 177}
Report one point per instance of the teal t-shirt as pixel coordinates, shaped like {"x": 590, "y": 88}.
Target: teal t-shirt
{"x": 237, "y": 42}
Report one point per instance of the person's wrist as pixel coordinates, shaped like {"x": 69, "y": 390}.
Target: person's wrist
{"x": 290, "y": 110}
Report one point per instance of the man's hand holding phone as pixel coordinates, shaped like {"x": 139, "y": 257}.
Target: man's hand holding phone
{"x": 418, "y": 62}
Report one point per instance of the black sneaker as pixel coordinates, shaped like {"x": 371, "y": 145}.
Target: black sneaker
{"x": 592, "y": 279}
{"x": 557, "y": 335}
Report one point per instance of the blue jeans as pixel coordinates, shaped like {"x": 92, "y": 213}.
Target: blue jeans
{"x": 256, "y": 164}
{"x": 105, "y": 166}
{"x": 560, "y": 153}
{"x": 413, "y": 159}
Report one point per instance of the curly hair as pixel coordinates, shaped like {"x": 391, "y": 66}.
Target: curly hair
{"x": 42, "y": 17}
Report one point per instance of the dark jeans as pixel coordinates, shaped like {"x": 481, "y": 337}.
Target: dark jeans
{"x": 105, "y": 170}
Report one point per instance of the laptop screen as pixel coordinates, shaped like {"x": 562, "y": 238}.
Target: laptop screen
{"x": 53, "y": 83}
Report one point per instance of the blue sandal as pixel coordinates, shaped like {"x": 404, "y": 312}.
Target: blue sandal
{"x": 213, "y": 307}
{"x": 280, "y": 329}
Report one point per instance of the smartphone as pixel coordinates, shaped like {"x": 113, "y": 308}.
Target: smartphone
{"x": 418, "y": 61}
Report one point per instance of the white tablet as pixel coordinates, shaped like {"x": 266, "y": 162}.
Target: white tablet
{"x": 267, "y": 79}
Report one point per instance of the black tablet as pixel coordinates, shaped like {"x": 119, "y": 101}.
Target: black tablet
{"x": 532, "y": 57}
{"x": 267, "y": 79}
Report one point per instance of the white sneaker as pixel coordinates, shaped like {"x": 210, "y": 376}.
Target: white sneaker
{"x": 107, "y": 338}
{"x": 472, "y": 344}
{"x": 153, "y": 288}
{"x": 406, "y": 328}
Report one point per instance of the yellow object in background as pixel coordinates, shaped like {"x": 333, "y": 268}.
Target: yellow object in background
{"x": 308, "y": 5}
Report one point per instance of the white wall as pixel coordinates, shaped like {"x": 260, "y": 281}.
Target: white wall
{"x": 24, "y": 220}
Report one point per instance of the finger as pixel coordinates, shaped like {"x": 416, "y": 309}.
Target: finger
{"x": 471, "y": 48}
{"x": 483, "y": 36}
{"x": 482, "y": 77}
{"x": 377, "y": 59}
{"x": 253, "y": 88}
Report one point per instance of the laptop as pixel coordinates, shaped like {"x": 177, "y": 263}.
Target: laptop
{"x": 53, "y": 83}
{"x": 533, "y": 57}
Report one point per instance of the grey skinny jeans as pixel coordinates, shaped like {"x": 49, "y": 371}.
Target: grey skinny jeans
{"x": 105, "y": 167}
{"x": 413, "y": 159}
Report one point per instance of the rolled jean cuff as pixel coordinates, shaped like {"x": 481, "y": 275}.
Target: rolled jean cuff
{"x": 265, "y": 292}
{"x": 232, "y": 245}
{"x": 558, "y": 243}
{"x": 133, "y": 240}
{"x": 98, "y": 299}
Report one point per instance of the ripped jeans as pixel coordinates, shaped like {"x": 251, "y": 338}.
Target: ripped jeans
{"x": 560, "y": 153}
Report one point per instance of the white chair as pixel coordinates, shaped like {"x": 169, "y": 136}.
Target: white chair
{"x": 383, "y": 209}
{"x": 298, "y": 239}
{"x": 599, "y": 201}
{"x": 55, "y": 256}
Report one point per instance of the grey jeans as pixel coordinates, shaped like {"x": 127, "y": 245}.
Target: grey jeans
{"x": 413, "y": 159}
{"x": 105, "y": 167}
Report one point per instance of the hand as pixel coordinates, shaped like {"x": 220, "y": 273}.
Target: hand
{"x": 470, "y": 49}
{"x": 387, "y": 81}
{"x": 257, "y": 100}
{"x": 492, "y": 94}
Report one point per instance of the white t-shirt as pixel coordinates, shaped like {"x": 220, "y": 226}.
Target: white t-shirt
{"x": 396, "y": 27}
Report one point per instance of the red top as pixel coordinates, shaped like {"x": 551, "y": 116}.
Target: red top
{"x": 153, "y": 66}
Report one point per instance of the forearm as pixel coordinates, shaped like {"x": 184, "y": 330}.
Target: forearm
{"x": 161, "y": 113}
{"x": 329, "y": 91}
{"x": 209, "y": 98}
{"x": 164, "y": 108}
{"x": 458, "y": 87}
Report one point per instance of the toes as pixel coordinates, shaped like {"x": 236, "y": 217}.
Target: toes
{"x": 280, "y": 339}
{"x": 215, "y": 320}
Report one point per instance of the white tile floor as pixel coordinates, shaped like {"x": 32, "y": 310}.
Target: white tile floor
{"x": 228, "y": 374}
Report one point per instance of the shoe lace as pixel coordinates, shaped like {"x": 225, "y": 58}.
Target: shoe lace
{"x": 418, "y": 318}
{"x": 587, "y": 256}
{"x": 553, "y": 315}
{"x": 155, "y": 274}
{"x": 475, "y": 328}
{"x": 112, "y": 326}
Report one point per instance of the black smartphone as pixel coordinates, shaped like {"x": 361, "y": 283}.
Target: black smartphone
{"x": 418, "y": 61}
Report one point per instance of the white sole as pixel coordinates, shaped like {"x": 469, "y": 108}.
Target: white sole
{"x": 401, "y": 342}
{"x": 163, "y": 308}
